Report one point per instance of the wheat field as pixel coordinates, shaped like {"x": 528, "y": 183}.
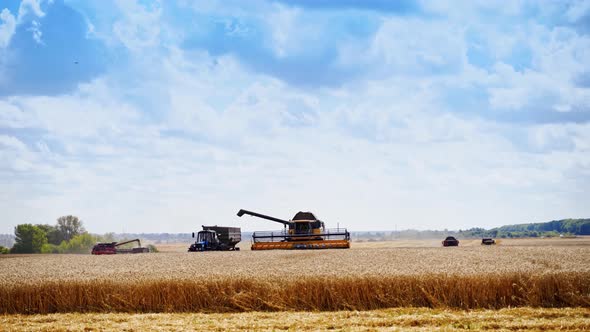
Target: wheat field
{"x": 361, "y": 278}
{"x": 294, "y": 264}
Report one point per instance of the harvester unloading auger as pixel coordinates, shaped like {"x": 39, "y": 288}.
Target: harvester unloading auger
{"x": 304, "y": 231}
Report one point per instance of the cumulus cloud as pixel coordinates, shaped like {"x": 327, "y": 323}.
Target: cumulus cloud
{"x": 36, "y": 31}
{"x": 11, "y": 143}
{"x": 29, "y": 7}
{"x": 227, "y": 141}
{"x": 9, "y": 22}
{"x": 579, "y": 9}
{"x": 409, "y": 45}
{"x": 284, "y": 27}
{"x": 550, "y": 82}
{"x": 7, "y": 28}
{"x": 140, "y": 26}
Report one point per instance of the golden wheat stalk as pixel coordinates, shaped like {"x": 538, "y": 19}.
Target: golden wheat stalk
{"x": 309, "y": 293}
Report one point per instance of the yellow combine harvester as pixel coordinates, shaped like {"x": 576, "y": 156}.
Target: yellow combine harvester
{"x": 304, "y": 231}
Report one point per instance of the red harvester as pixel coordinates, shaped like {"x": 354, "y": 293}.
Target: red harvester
{"x": 112, "y": 248}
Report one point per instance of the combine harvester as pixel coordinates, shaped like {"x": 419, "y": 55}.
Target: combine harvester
{"x": 304, "y": 231}
{"x": 112, "y": 248}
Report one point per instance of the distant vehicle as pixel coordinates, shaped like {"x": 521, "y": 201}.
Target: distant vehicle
{"x": 216, "y": 238}
{"x": 111, "y": 248}
{"x": 488, "y": 241}
{"x": 450, "y": 241}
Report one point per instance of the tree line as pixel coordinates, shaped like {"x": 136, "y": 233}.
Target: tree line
{"x": 66, "y": 236}
{"x": 555, "y": 228}
{"x": 546, "y": 229}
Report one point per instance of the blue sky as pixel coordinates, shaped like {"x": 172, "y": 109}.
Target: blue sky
{"x": 161, "y": 116}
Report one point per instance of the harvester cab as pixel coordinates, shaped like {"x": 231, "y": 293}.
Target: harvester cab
{"x": 304, "y": 231}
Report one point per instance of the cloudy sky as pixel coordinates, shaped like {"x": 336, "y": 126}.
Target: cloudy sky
{"x": 155, "y": 116}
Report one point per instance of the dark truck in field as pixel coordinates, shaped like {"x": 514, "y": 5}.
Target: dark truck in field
{"x": 488, "y": 241}
{"x": 450, "y": 241}
{"x": 216, "y": 238}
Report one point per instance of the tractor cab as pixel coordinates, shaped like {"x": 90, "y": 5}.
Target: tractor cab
{"x": 205, "y": 240}
{"x": 207, "y": 236}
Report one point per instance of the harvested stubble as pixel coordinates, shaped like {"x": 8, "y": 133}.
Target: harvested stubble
{"x": 331, "y": 280}
{"x": 404, "y": 319}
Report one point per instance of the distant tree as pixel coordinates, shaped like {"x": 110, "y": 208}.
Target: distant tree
{"x": 69, "y": 226}
{"x": 49, "y": 248}
{"x": 4, "y": 250}
{"x": 29, "y": 239}
{"x": 54, "y": 236}
{"x": 80, "y": 244}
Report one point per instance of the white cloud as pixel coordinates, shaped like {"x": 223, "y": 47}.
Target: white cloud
{"x": 7, "y": 28}
{"x": 558, "y": 56}
{"x": 73, "y": 116}
{"x": 15, "y": 156}
{"x": 578, "y": 10}
{"x": 472, "y": 11}
{"x": 90, "y": 29}
{"x": 411, "y": 46}
{"x": 36, "y": 31}
{"x": 140, "y": 27}
{"x": 284, "y": 27}
{"x": 11, "y": 116}
{"x": 28, "y": 6}
{"x": 546, "y": 81}
{"x": 119, "y": 170}
{"x": 555, "y": 137}
{"x": 518, "y": 89}
{"x": 11, "y": 143}
{"x": 9, "y": 22}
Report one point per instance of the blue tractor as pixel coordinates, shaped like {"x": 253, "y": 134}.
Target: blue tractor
{"x": 216, "y": 238}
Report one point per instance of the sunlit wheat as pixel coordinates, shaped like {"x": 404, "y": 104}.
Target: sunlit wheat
{"x": 477, "y": 277}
